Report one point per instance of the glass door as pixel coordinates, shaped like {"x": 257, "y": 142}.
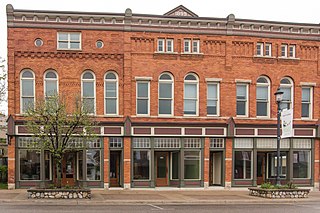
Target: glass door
{"x": 162, "y": 168}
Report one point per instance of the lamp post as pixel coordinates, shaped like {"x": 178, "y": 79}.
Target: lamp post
{"x": 278, "y": 96}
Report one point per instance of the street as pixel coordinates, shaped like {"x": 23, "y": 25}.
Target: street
{"x": 305, "y": 207}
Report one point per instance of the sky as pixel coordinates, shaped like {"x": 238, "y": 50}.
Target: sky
{"x": 306, "y": 11}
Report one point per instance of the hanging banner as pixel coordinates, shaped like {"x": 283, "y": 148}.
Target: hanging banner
{"x": 287, "y": 123}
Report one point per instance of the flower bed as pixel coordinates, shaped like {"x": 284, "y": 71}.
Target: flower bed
{"x": 279, "y": 193}
{"x": 59, "y": 193}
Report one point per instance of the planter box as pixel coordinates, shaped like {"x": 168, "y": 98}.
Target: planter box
{"x": 59, "y": 193}
{"x": 279, "y": 193}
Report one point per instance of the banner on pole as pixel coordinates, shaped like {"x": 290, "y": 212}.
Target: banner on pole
{"x": 287, "y": 123}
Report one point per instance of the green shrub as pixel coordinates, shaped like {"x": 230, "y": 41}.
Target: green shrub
{"x": 269, "y": 185}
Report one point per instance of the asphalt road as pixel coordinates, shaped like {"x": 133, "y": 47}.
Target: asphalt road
{"x": 306, "y": 207}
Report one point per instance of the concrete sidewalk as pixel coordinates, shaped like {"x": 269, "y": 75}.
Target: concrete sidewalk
{"x": 154, "y": 196}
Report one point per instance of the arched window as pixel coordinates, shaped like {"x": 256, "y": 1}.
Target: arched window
{"x": 262, "y": 96}
{"x": 286, "y": 86}
{"x": 50, "y": 84}
{"x": 191, "y": 97}
{"x": 88, "y": 91}
{"x": 165, "y": 94}
{"x": 111, "y": 93}
{"x": 27, "y": 90}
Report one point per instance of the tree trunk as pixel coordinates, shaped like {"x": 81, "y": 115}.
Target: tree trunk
{"x": 58, "y": 172}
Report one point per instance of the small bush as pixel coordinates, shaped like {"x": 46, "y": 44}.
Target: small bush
{"x": 269, "y": 185}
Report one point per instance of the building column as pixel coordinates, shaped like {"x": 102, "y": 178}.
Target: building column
{"x": 127, "y": 162}
{"x": 228, "y": 162}
{"x": 206, "y": 157}
{"x": 106, "y": 162}
{"x": 316, "y": 167}
{"x": 12, "y": 164}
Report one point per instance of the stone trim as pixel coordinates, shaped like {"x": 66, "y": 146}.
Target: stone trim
{"x": 59, "y": 194}
{"x": 279, "y": 193}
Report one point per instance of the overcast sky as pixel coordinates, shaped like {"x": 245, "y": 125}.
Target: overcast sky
{"x": 307, "y": 11}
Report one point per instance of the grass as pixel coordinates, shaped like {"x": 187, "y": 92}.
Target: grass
{"x": 3, "y": 186}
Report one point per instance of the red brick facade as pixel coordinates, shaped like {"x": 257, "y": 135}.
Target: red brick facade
{"x": 227, "y": 54}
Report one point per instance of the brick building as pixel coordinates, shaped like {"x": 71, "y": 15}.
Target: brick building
{"x": 181, "y": 100}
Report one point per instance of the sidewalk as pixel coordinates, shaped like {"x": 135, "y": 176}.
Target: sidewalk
{"x": 154, "y": 196}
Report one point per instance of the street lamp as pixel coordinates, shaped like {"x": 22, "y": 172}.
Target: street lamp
{"x": 278, "y": 96}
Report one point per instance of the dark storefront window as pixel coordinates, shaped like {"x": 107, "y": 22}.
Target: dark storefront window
{"x": 191, "y": 165}
{"x": 175, "y": 165}
{"x": 301, "y": 164}
{"x": 80, "y": 165}
{"x": 272, "y": 162}
{"x": 93, "y": 164}
{"x": 48, "y": 165}
{"x": 29, "y": 164}
{"x": 141, "y": 165}
{"x": 242, "y": 165}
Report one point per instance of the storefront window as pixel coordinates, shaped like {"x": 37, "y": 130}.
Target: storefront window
{"x": 29, "y": 164}
{"x": 80, "y": 165}
{"x": 301, "y": 164}
{"x": 242, "y": 165}
{"x": 175, "y": 165}
{"x": 141, "y": 165}
{"x": 272, "y": 162}
{"x": 47, "y": 167}
{"x": 93, "y": 164}
{"x": 191, "y": 165}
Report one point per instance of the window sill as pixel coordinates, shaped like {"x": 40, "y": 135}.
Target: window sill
{"x": 77, "y": 50}
{"x": 166, "y": 53}
{"x": 264, "y": 56}
{"x": 288, "y": 58}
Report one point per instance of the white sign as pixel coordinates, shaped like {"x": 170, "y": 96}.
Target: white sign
{"x": 287, "y": 123}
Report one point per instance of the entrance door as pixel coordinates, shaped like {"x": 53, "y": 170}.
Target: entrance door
{"x": 261, "y": 167}
{"x": 115, "y": 157}
{"x": 162, "y": 164}
{"x": 215, "y": 168}
{"x": 68, "y": 169}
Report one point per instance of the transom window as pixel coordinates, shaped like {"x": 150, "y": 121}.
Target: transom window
{"x": 213, "y": 98}
{"x": 191, "y": 94}
{"x": 286, "y": 85}
{"x": 69, "y": 40}
{"x": 262, "y": 95}
{"x": 27, "y": 92}
{"x": 88, "y": 91}
{"x": 143, "y": 98}
{"x": 50, "y": 84}
{"x": 242, "y": 99}
{"x": 111, "y": 93}
{"x": 306, "y": 102}
{"x": 166, "y": 94}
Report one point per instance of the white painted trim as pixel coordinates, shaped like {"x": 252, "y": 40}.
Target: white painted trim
{"x": 172, "y": 94}
{"x": 148, "y": 110}
{"x": 117, "y": 91}
{"x": 94, "y": 88}
{"x": 311, "y": 84}
{"x": 69, "y": 40}
{"x": 34, "y": 88}
{"x": 143, "y": 78}
{"x": 45, "y": 81}
{"x": 245, "y": 81}
{"x": 213, "y": 79}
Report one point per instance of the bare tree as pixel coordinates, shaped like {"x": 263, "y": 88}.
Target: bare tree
{"x": 54, "y": 128}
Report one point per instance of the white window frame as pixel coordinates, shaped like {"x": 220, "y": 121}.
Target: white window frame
{"x": 187, "y": 41}
{"x": 172, "y": 93}
{"x": 52, "y": 80}
{"x": 94, "y": 89}
{"x": 293, "y": 51}
{"x": 197, "y": 42}
{"x": 268, "y": 101}
{"x": 268, "y": 46}
{"x": 217, "y": 100}
{"x": 167, "y": 45}
{"x": 291, "y": 85}
{"x": 246, "y": 100}
{"x": 285, "y": 46}
{"x": 259, "y": 45}
{"x": 163, "y": 45}
{"x": 117, "y": 91}
{"x": 69, "y": 41}
{"x": 148, "y": 98}
{"x": 200, "y": 169}
{"x": 197, "y": 93}
{"x": 310, "y": 103}
{"x": 34, "y": 89}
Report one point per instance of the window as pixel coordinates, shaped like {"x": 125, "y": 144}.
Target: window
{"x": 143, "y": 98}
{"x": 192, "y": 165}
{"x": 38, "y": 42}
{"x": 48, "y": 165}
{"x": 306, "y": 107}
{"x": 242, "y": 165}
{"x": 301, "y": 164}
{"x": 191, "y": 46}
{"x": 93, "y": 165}
{"x": 213, "y": 99}
{"x": 166, "y": 94}
{"x": 242, "y": 100}
{"x": 174, "y": 165}
{"x": 141, "y": 165}
{"x": 111, "y": 93}
{"x": 191, "y": 95}
{"x": 272, "y": 165}
{"x": 262, "y": 95}
{"x": 27, "y": 90}
{"x": 165, "y": 45}
{"x": 286, "y": 86}
{"x": 88, "y": 91}
{"x": 99, "y": 44}
{"x": 50, "y": 84}
{"x": 69, "y": 41}
{"x": 292, "y": 51}
{"x": 263, "y": 49}
{"x": 29, "y": 164}
{"x": 284, "y": 50}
